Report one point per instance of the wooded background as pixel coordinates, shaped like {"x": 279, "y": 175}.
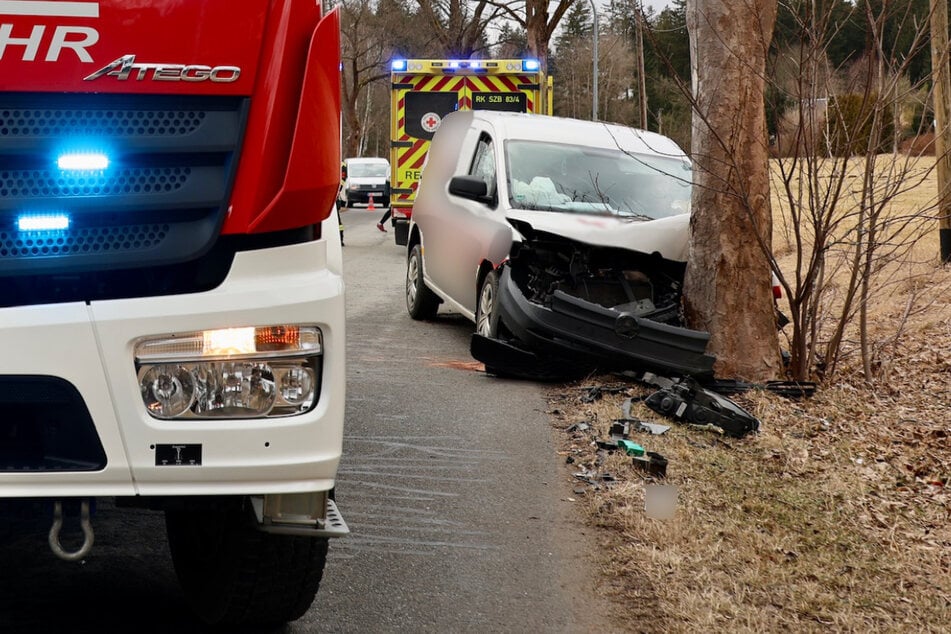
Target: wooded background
{"x": 376, "y": 31}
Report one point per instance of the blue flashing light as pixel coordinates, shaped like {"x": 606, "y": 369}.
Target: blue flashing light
{"x": 474, "y": 63}
{"x": 43, "y": 222}
{"x": 453, "y": 64}
{"x": 398, "y": 65}
{"x": 531, "y": 65}
{"x": 82, "y": 162}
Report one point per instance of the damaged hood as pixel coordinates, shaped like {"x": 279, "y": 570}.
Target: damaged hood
{"x": 666, "y": 236}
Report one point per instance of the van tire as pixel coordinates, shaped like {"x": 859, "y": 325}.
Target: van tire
{"x": 487, "y": 323}
{"x": 421, "y": 303}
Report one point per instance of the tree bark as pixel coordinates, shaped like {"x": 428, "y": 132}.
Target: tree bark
{"x": 539, "y": 27}
{"x": 641, "y": 75}
{"x": 728, "y": 284}
{"x": 941, "y": 77}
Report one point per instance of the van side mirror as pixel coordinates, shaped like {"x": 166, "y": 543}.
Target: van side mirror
{"x": 470, "y": 187}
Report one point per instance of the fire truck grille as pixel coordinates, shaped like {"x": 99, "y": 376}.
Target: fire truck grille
{"x": 45, "y": 183}
{"x": 90, "y": 240}
{"x": 157, "y": 194}
{"x": 46, "y": 122}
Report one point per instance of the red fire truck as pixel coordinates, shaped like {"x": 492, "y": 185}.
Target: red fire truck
{"x": 171, "y": 297}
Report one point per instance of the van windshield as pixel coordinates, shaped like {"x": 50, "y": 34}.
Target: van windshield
{"x": 368, "y": 170}
{"x": 580, "y": 179}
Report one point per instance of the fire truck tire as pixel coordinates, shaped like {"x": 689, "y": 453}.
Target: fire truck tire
{"x": 421, "y": 302}
{"x": 233, "y": 574}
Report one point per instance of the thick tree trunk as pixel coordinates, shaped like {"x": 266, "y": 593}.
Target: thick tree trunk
{"x": 539, "y": 26}
{"x": 351, "y": 144}
{"x": 728, "y": 290}
{"x": 536, "y": 31}
{"x": 942, "y": 119}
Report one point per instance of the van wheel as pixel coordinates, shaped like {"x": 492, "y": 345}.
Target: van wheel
{"x": 234, "y": 574}
{"x": 421, "y": 303}
{"x": 487, "y": 308}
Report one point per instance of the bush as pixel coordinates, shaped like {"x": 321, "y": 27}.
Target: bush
{"x": 850, "y": 122}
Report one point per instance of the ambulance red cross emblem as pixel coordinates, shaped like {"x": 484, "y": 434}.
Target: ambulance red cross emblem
{"x": 430, "y": 121}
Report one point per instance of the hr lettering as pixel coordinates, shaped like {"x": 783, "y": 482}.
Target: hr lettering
{"x": 75, "y": 38}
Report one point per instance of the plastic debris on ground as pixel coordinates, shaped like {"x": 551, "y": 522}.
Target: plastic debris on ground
{"x": 622, "y": 427}
{"x": 686, "y": 401}
{"x": 630, "y": 448}
{"x": 653, "y": 463}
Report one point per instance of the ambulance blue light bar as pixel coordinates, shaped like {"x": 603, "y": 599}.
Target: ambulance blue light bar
{"x": 42, "y": 222}
{"x": 477, "y": 65}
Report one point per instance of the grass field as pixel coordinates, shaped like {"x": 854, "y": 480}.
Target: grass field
{"x": 836, "y": 516}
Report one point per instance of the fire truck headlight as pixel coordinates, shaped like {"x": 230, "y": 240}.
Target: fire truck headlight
{"x": 167, "y": 390}
{"x": 230, "y": 373}
{"x": 297, "y": 385}
{"x": 234, "y": 390}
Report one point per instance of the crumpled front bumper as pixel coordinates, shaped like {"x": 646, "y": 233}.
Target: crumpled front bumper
{"x": 583, "y": 334}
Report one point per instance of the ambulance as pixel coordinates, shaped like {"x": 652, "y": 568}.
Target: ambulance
{"x": 425, "y": 90}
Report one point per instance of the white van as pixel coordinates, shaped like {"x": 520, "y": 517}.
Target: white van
{"x": 361, "y": 178}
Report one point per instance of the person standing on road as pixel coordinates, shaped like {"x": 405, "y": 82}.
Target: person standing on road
{"x": 382, "y": 224}
{"x": 339, "y": 203}
{"x": 340, "y": 226}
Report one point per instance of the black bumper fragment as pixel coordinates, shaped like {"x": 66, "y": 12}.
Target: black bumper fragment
{"x": 585, "y": 334}
{"x": 507, "y": 360}
{"x": 688, "y": 402}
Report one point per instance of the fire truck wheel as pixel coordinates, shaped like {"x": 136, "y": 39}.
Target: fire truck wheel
{"x": 421, "y": 302}
{"x": 234, "y": 574}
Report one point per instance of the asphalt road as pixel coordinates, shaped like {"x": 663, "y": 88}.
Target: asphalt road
{"x": 457, "y": 502}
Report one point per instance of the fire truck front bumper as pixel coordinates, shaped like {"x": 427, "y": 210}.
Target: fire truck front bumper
{"x": 84, "y": 415}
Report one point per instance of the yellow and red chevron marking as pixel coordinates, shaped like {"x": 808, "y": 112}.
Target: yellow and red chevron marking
{"x": 412, "y": 157}
{"x": 409, "y": 161}
{"x": 430, "y": 83}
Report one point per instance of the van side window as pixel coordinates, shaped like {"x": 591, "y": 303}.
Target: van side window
{"x": 483, "y": 163}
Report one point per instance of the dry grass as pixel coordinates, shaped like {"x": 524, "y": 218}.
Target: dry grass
{"x": 908, "y": 184}
{"x": 835, "y": 516}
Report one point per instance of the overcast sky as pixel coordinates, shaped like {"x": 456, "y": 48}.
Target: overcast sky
{"x": 657, "y": 5}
